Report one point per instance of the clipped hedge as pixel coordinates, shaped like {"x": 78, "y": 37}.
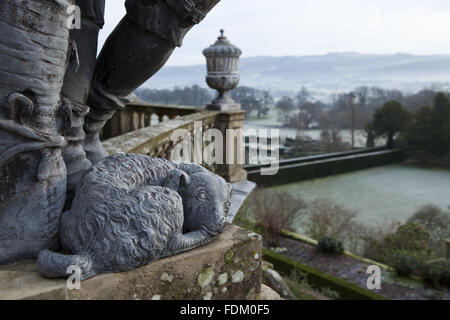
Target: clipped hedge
{"x": 325, "y": 166}
{"x": 318, "y": 279}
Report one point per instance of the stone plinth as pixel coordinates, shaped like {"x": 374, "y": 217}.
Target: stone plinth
{"x": 232, "y": 120}
{"x": 228, "y": 268}
{"x": 225, "y": 106}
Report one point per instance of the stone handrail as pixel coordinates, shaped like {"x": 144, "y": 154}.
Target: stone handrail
{"x": 139, "y": 115}
{"x": 139, "y": 136}
{"x": 156, "y": 140}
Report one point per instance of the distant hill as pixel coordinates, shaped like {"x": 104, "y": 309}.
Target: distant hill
{"x": 323, "y": 74}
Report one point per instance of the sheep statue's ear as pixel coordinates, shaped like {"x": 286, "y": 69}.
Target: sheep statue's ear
{"x": 176, "y": 179}
{"x": 230, "y": 190}
{"x": 228, "y": 201}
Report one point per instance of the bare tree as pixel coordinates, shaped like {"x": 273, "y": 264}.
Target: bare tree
{"x": 352, "y": 109}
{"x": 286, "y": 106}
{"x": 303, "y": 97}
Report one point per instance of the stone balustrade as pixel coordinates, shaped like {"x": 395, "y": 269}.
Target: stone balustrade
{"x": 141, "y": 115}
{"x": 156, "y": 140}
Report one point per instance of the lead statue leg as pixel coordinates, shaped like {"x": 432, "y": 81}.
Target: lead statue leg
{"x": 77, "y": 83}
{"x": 139, "y": 46}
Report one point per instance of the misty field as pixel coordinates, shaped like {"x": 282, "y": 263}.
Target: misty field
{"x": 381, "y": 195}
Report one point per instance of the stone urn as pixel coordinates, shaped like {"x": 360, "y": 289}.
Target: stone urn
{"x": 222, "y": 64}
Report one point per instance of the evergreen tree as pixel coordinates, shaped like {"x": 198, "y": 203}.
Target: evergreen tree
{"x": 428, "y": 134}
{"x": 389, "y": 120}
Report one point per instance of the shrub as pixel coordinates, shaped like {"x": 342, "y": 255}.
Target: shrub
{"x": 274, "y": 211}
{"x": 326, "y": 218}
{"x": 437, "y": 223}
{"x": 371, "y": 239}
{"x": 330, "y": 245}
{"x": 436, "y": 274}
{"x": 406, "y": 262}
{"x": 410, "y": 237}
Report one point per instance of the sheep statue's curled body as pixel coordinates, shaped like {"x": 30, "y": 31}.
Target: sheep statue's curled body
{"x": 132, "y": 209}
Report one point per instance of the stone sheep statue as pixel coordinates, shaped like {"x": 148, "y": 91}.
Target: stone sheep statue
{"x": 130, "y": 210}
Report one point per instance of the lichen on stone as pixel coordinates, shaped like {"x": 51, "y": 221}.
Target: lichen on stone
{"x": 166, "y": 277}
{"x": 206, "y": 277}
{"x": 253, "y": 235}
{"x": 229, "y": 256}
{"x": 208, "y": 296}
{"x": 254, "y": 265}
{"x": 238, "y": 277}
{"x": 223, "y": 279}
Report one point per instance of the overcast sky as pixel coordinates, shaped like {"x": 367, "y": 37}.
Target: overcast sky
{"x": 304, "y": 27}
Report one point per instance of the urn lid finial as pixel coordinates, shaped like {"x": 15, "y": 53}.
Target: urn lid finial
{"x": 222, "y": 47}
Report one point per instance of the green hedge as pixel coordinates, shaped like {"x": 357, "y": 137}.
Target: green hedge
{"x": 318, "y": 279}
